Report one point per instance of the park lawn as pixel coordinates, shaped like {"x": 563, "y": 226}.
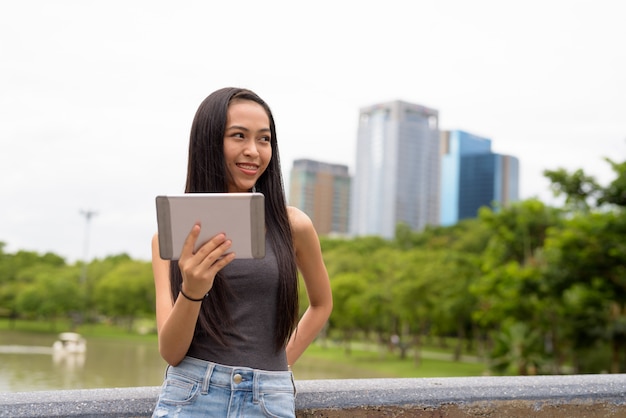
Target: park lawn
{"x": 332, "y": 362}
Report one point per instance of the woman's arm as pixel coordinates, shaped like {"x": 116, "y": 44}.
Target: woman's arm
{"x": 176, "y": 321}
{"x": 311, "y": 265}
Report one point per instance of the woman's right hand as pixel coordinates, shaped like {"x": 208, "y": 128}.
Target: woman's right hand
{"x": 199, "y": 269}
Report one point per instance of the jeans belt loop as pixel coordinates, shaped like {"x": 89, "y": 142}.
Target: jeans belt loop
{"x": 255, "y": 386}
{"x": 206, "y": 382}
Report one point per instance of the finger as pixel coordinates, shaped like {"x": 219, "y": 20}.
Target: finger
{"x": 211, "y": 245}
{"x": 222, "y": 262}
{"x": 203, "y": 273}
{"x": 190, "y": 241}
{"x": 190, "y": 260}
{"x": 216, "y": 253}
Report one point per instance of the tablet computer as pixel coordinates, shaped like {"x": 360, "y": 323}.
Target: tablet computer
{"x": 241, "y": 216}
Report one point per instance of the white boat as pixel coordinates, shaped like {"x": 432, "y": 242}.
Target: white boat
{"x": 70, "y": 342}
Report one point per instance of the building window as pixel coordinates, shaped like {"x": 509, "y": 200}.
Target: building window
{"x": 432, "y": 122}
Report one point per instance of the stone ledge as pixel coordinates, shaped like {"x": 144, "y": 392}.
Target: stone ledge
{"x": 520, "y": 396}
{"x": 119, "y": 402}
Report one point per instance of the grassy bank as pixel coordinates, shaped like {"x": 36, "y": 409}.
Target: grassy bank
{"x": 90, "y": 330}
{"x": 332, "y": 362}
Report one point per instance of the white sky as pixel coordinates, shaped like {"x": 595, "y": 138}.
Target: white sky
{"x": 97, "y": 97}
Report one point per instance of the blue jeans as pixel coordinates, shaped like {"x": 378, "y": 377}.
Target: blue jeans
{"x": 198, "y": 388}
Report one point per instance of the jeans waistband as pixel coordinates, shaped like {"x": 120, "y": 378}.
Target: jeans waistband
{"x": 207, "y": 374}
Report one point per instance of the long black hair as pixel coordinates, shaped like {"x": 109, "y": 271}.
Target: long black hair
{"x": 207, "y": 173}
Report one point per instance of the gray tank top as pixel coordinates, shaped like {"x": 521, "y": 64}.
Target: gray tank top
{"x": 254, "y": 284}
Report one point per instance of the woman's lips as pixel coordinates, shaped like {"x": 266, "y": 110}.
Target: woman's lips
{"x": 247, "y": 168}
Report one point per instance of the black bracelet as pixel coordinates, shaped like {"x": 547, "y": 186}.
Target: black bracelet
{"x": 191, "y": 299}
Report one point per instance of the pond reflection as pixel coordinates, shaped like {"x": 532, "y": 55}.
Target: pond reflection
{"x": 28, "y": 362}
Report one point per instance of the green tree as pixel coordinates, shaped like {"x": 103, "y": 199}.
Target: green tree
{"x": 452, "y": 308}
{"x": 126, "y": 292}
{"x": 615, "y": 192}
{"x": 49, "y": 292}
{"x": 583, "y": 193}
{"x": 17, "y": 272}
{"x": 511, "y": 288}
{"x": 587, "y": 265}
{"x": 349, "y": 313}
{"x": 518, "y": 350}
{"x": 578, "y": 188}
{"x": 463, "y": 245}
{"x": 415, "y": 289}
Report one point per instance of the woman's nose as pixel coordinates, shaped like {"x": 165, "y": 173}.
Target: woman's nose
{"x": 251, "y": 149}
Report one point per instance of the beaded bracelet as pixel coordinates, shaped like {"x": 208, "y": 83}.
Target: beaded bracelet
{"x": 190, "y": 298}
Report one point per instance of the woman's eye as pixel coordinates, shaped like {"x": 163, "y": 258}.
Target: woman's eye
{"x": 266, "y": 139}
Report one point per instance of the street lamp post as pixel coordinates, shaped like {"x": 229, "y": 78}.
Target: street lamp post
{"x": 88, "y": 214}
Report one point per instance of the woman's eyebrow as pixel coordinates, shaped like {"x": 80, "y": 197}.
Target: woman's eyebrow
{"x": 243, "y": 128}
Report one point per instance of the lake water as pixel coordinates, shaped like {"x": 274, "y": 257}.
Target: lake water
{"x": 27, "y": 363}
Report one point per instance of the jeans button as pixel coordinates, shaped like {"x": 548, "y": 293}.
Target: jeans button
{"x": 237, "y": 378}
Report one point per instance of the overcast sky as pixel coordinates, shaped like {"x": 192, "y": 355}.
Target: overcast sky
{"x": 97, "y": 97}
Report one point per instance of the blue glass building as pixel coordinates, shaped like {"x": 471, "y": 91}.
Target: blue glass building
{"x": 473, "y": 176}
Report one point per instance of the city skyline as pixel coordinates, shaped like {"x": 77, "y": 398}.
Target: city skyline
{"x": 97, "y": 119}
{"x": 403, "y": 161}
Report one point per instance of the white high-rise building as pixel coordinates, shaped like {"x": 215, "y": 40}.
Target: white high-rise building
{"x": 397, "y": 169}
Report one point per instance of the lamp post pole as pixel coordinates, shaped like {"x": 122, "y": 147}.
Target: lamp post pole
{"x": 88, "y": 214}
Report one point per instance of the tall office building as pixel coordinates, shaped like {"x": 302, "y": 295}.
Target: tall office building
{"x": 473, "y": 176}
{"x": 397, "y": 169}
{"x": 322, "y": 191}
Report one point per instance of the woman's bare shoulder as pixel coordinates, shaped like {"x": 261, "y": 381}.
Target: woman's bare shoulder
{"x": 298, "y": 219}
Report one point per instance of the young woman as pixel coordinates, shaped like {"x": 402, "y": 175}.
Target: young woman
{"x": 228, "y": 327}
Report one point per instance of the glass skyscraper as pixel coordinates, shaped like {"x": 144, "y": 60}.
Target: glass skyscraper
{"x": 397, "y": 169}
{"x": 472, "y": 176}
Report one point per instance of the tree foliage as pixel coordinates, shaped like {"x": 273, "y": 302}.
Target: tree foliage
{"x": 531, "y": 288}
{"x": 44, "y": 286}
{"x": 126, "y": 292}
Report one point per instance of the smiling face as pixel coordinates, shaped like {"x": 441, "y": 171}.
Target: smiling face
{"x": 247, "y": 144}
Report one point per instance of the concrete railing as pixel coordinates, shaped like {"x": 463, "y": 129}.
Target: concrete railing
{"x": 539, "y": 396}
